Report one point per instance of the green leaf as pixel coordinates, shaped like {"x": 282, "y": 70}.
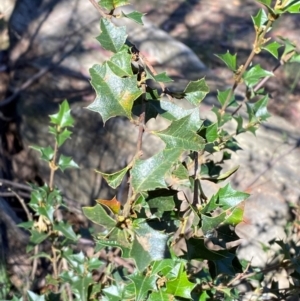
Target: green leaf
{"x": 65, "y": 162}
{"x": 46, "y": 210}
{"x": 182, "y": 134}
{"x": 112, "y": 38}
{"x": 223, "y": 176}
{"x": 260, "y": 19}
{"x": 34, "y": 297}
{"x": 37, "y": 237}
{"x": 292, "y": 7}
{"x": 258, "y": 111}
{"x": 47, "y": 153}
{"x": 114, "y": 179}
{"x": 210, "y": 223}
{"x": 121, "y": 243}
{"x": 228, "y": 59}
{"x": 180, "y": 286}
{"x": 196, "y": 91}
{"x": 99, "y": 216}
{"x": 150, "y": 174}
{"x": 235, "y": 217}
{"x": 63, "y": 118}
{"x": 225, "y": 198}
{"x": 252, "y": 76}
{"x": 161, "y": 200}
{"x": 63, "y": 136}
{"x": 79, "y": 284}
{"x": 222, "y": 97}
{"x": 272, "y": 48}
{"x": 120, "y": 64}
{"x": 66, "y": 229}
{"x": 240, "y": 128}
{"x": 148, "y": 245}
{"x": 162, "y": 77}
{"x": 212, "y": 132}
{"x": 135, "y": 16}
{"x": 142, "y": 284}
{"x": 115, "y": 95}
{"x": 112, "y": 4}
{"x": 160, "y": 296}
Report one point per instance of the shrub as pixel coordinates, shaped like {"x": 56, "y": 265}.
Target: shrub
{"x": 161, "y": 233}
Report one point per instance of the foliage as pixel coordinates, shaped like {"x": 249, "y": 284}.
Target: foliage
{"x": 164, "y": 229}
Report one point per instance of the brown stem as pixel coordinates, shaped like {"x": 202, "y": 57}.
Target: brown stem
{"x": 196, "y": 181}
{"x": 131, "y": 195}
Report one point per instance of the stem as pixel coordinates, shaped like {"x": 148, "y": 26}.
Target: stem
{"x": 53, "y": 167}
{"x": 257, "y": 44}
{"x": 131, "y": 195}
{"x": 54, "y": 262}
{"x": 196, "y": 181}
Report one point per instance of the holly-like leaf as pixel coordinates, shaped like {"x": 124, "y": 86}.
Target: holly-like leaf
{"x": 63, "y": 136}
{"x": 115, "y": 95}
{"x": 143, "y": 284}
{"x": 160, "y": 296}
{"x": 150, "y": 174}
{"x": 258, "y": 111}
{"x": 228, "y": 59}
{"x": 252, "y": 76}
{"x": 47, "y": 153}
{"x": 65, "y": 162}
{"x": 66, "y": 229}
{"x": 272, "y": 48}
{"x": 180, "y": 286}
{"x": 182, "y": 134}
{"x": 111, "y": 38}
{"x": 292, "y": 7}
{"x": 212, "y": 222}
{"x": 112, "y": 4}
{"x": 120, "y": 63}
{"x": 222, "y": 97}
{"x": 115, "y": 179}
{"x": 196, "y": 91}
{"x": 63, "y": 118}
{"x": 260, "y": 19}
{"x": 148, "y": 245}
{"x": 235, "y": 216}
{"x": 99, "y": 216}
{"x": 211, "y": 132}
{"x": 162, "y": 77}
{"x": 225, "y": 198}
{"x": 114, "y": 205}
{"x": 135, "y": 16}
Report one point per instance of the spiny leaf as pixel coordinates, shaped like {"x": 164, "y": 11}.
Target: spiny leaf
{"x": 120, "y": 63}
{"x": 112, "y": 38}
{"x": 272, "y": 48}
{"x": 114, "y": 205}
{"x": 258, "y": 111}
{"x": 252, "y": 76}
{"x": 66, "y": 229}
{"x": 150, "y": 174}
{"x": 47, "y": 153}
{"x": 143, "y": 284}
{"x": 228, "y": 59}
{"x": 181, "y": 286}
{"x": 135, "y": 16}
{"x": 148, "y": 245}
{"x": 225, "y": 198}
{"x": 115, "y": 95}
{"x": 99, "y": 216}
{"x": 65, "y": 162}
{"x": 114, "y": 179}
{"x": 182, "y": 134}
{"x": 63, "y": 118}
{"x": 260, "y": 19}
{"x": 196, "y": 91}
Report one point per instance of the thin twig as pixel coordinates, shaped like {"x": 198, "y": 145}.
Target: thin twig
{"x": 53, "y": 166}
